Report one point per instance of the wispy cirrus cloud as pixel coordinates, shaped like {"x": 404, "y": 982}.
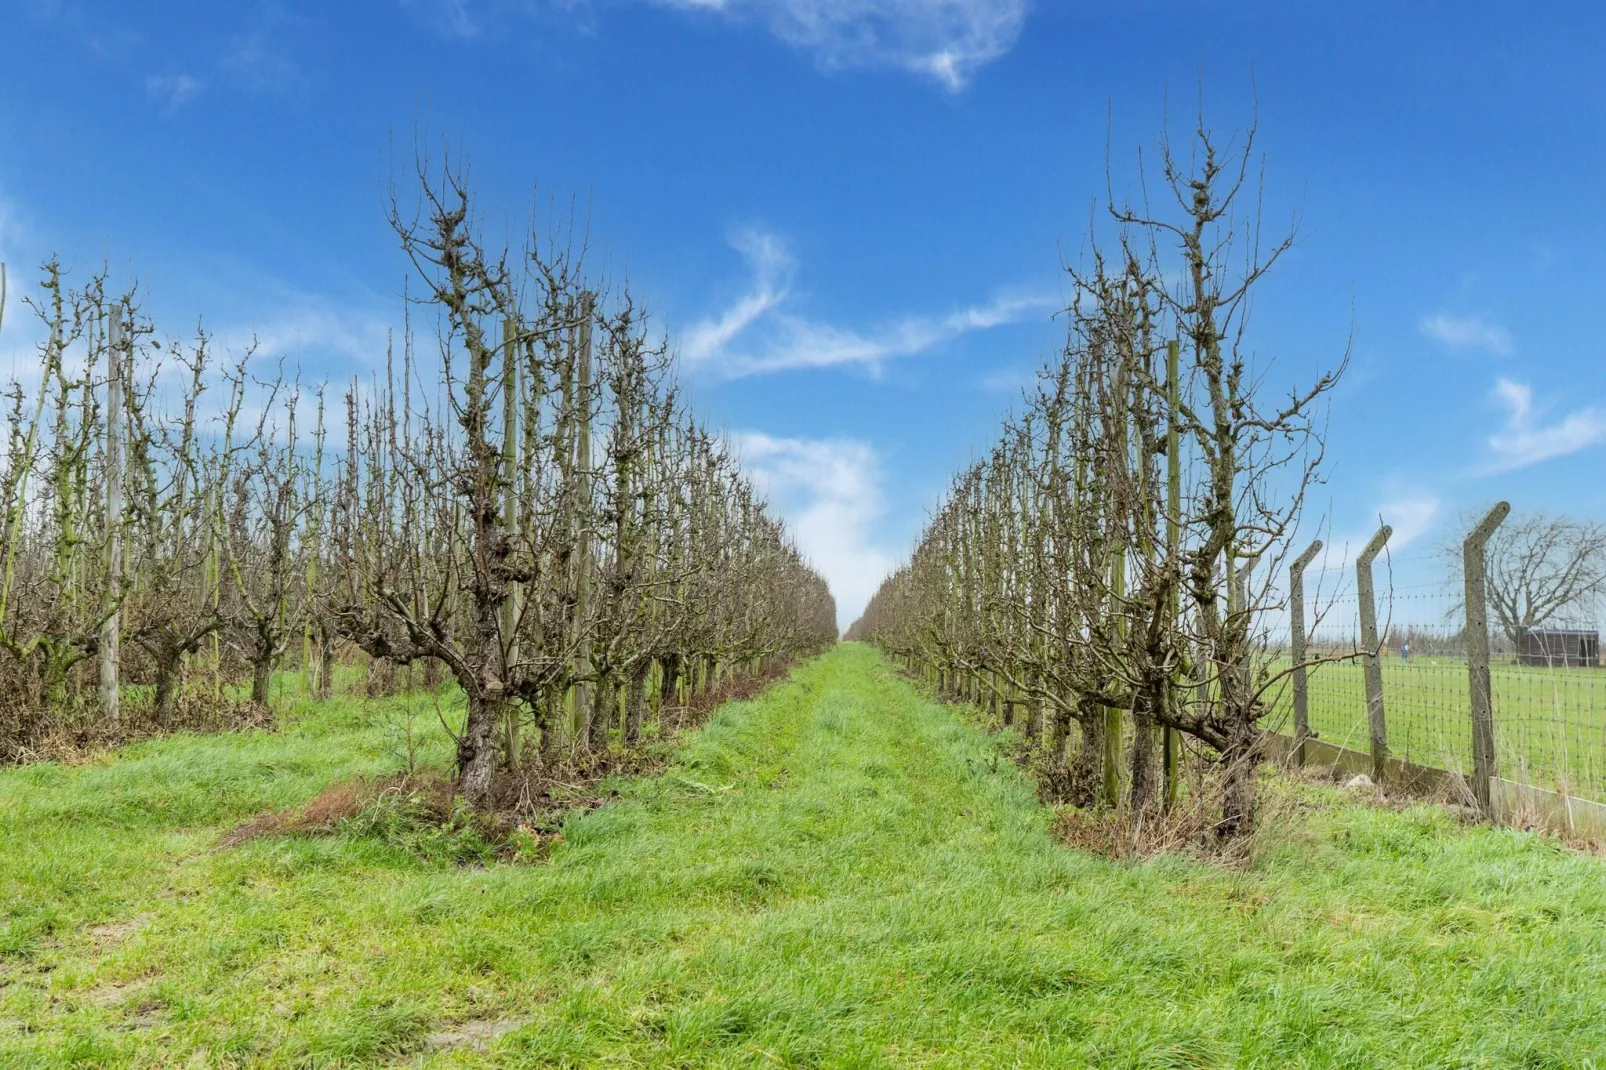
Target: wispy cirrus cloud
{"x": 318, "y": 337}
{"x": 1467, "y": 332}
{"x": 172, "y": 91}
{"x": 452, "y": 18}
{"x": 1410, "y": 511}
{"x": 945, "y": 40}
{"x": 829, "y": 493}
{"x": 1411, "y": 517}
{"x": 759, "y": 333}
{"x": 1008, "y": 380}
{"x": 17, "y": 331}
{"x": 1525, "y": 439}
{"x": 259, "y": 58}
{"x": 773, "y": 269}
{"x": 10, "y": 229}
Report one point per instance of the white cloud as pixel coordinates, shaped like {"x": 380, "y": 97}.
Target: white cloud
{"x": 308, "y": 335}
{"x": 17, "y": 328}
{"x": 1008, "y": 381}
{"x": 946, "y": 40}
{"x": 1467, "y": 332}
{"x": 757, "y": 334}
{"x": 258, "y": 57}
{"x": 1411, "y": 516}
{"x": 172, "y": 91}
{"x": 828, "y": 491}
{"x": 773, "y": 268}
{"x": 1523, "y": 441}
{"x": 451, "y": 18}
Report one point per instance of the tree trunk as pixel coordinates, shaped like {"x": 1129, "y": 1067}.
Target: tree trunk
{"x": 1059, "y": 735}
{"x": 635, "y": 704}
{"x": 604, "y": 712}
{"x": 476, "y": 749}
{"x": 549, "y": 717}
{"x": 326, "y": 665}
{"x": 169, "y": 680}
{"x": 1238, "y": 786}
{"x": 1088, "y": 763}
{"x": 261, "y": 678}
{"x": 1110, "y": 760}
{"x": 381, "y": 678}
{"x": 670, "y": 682}
{"x": 1141, "y": 793}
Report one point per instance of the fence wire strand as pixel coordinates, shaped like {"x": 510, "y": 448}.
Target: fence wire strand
{"x": 1549, "y": 703}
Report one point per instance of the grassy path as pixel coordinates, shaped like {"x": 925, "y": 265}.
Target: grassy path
{"x": 836, "y": 874}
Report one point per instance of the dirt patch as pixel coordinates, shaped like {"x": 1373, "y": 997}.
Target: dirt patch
{"x": 476, "y": 1035}
{"x": 111, "y": 934}
{"x": 116, "y": 993}
{"x": 148, "y": 1016}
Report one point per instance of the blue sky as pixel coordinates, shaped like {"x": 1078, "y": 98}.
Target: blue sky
{"x": 852, "y": 215}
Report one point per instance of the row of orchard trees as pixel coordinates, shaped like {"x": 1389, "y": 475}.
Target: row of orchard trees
{"x": 1103, "y": 567}
{"x": 525, "y": 505}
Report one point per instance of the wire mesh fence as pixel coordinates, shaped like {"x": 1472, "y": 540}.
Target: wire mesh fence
{"x": 1546, "y": 685}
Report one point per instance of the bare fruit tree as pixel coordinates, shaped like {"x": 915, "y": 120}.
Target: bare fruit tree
{"x": 525, "y": 507}
{"x": 1099, "y": 568}
{"x": 551, "y": 527}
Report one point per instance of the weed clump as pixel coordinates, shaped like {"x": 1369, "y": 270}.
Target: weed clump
{"x": 71, "y": 730}
{"x": 415, "y": 814}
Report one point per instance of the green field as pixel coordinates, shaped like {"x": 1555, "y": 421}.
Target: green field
{"x": 840, "y": 873}
{"x": 1550, "y": 724}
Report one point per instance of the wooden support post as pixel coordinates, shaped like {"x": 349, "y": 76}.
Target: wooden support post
{"x": 1245, "y": 577}
{"x": 1115, "y": 606}
{"x": 1477, "y": 614}
{"x": 111, "y": 624}
{"x": 1296, "y": 647}
{"x": 584, "y": 565}
{"x": 1377, "y": 726}
{"x": 510, "y": 522}
{"x": 1171, "y": 742}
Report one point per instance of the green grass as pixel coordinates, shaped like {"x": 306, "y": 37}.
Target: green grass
{"x": 840, "y": 873}
{"x": 1550, "y": 724}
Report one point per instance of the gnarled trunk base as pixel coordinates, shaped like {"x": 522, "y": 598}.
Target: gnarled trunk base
{"x": 476, "y": 749}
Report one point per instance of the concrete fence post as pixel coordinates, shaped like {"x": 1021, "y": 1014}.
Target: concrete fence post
{"x": 1377, "y": 727}
{"x": 1296, "y": 644}
{"x": 1477, "y": 614}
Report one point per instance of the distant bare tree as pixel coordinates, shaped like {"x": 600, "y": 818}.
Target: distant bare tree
{"x": 1540, "y": 568}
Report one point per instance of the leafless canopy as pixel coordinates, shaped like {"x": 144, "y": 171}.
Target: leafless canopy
{"x": 1106, "y": 563}
{"x": 524, "y": 505}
